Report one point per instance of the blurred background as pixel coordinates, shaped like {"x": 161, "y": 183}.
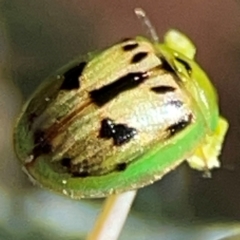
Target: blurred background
{"x": 37, "y": 37}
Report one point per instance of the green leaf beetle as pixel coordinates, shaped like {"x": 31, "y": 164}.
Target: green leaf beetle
{"x": 121, "y": 118}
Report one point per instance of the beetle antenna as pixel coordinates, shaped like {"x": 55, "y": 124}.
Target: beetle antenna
{"x": 145, "y": 20}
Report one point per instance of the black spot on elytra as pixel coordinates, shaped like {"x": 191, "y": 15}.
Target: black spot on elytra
{"x": 130, "y": 47}
{"x": 104, "y": 94}
{"x": 123, "y": 134}
{"x": 42, "y": 146}
{"x": 121, "y": 167}
{"x": 185, "y": 64}
{"x": 166, "y": 66}
{"x": 77, "y": 170}
{"x": 120, "y": 133}
{"x": 138, "y": 57}
{"x": 72, "y": 77}
{"x": 31, "y": 118}
{"x": 163, "y": 89}
{"x": 66, "y": 162}
{"x": 80, "y": 174}
{"x": 176, "y": 103}
{"x": 107, "y": 128}
{"x": 179, "y": 126}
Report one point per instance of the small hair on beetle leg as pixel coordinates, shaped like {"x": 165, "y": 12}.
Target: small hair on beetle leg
{"x": 145, "y": 20}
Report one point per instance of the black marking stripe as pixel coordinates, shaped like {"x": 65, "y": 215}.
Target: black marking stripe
{"x": 130, "y": 47}
{"x": 71, "y": 77}
{"x": 179, "y": 126}
{"x": 42, "y": 146}
{"x": 163, "y": 89}
{"x": 166, "y": 66}
{"x": 120, "y": 133}
{"x": 139, "y": 57}
{"x": 185, "y": 64}
{"x": 104, "y": 94}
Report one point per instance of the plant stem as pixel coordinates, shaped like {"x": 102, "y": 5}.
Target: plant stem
{"x": 114, "y": 213}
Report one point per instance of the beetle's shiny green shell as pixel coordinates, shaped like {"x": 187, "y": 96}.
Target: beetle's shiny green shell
{"x": 112, "y": 122}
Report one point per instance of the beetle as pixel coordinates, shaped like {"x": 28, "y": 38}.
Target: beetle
{"x": 121, "y": 118}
